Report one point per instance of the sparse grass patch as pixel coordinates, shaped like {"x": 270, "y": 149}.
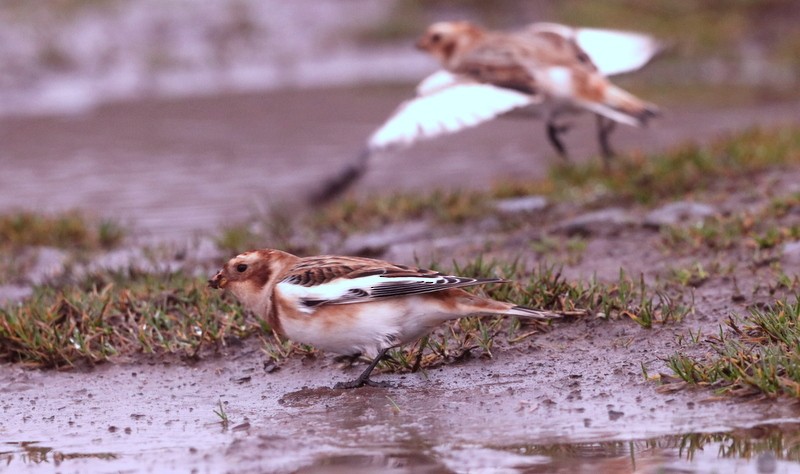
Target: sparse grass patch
{"x": 760, "y": 355}
{"x": 686, "y": 169}
{"x": 70, "y": 230}
{"x": 762, "y": 230}
{"x": 544, "y": 288}
{"x": 635, "y": 179}
{"x": 694, "y": 275}
{"x": 445, "y": 206}
{"x": 113, "y": 315}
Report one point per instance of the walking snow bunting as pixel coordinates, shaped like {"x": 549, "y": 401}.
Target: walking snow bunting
{"x": 353, "y": 306}
{"x": 544, "y": 70}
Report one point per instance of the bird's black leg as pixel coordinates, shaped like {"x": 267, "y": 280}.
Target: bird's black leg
{"x": 418, "y": 359}
{"x": 604, "y": 128}
{"x": 364, "y": 379}
{"x": 554, "y": 132}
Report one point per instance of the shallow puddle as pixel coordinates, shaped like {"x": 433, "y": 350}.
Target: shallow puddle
{"x": 761, "y": 449}
{"x": 770, "y": 448}
{"x": 17, "y": 453}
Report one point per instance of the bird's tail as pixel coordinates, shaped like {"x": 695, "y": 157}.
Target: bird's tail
{"x": 620, "y": 106}
{"x": 524, "y": 312}
{"x": 476, "y": 305}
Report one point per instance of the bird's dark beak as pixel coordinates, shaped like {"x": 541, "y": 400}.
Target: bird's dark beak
{"x": 218, "y": 281}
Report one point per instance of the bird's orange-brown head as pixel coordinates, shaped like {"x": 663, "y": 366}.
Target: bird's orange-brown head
{"x": 254, "y": 268}
{"x": 444, "y": 40}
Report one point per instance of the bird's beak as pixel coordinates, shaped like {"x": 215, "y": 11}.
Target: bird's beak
{"x": 218, "y": 281}
{"x": 421, "y": 44}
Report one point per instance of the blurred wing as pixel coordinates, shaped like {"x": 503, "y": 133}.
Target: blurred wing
{"x": 446, "y": 108}
{"x": 612, "y": 51}
{"x": 617, "y": 52}
{"x": 437, "y": 81}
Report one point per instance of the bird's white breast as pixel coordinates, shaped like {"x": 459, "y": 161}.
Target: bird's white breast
{"x": 366, "y": 327}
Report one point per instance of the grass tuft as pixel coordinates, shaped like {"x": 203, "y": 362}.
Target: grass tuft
{"x": 759, "y": 356}
{"x": 114, "y": 315}
{"x": 70, "y": 230}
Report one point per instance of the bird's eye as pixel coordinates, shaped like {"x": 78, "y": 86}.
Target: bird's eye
{"x": 436, "y": 37}
{"x": 241, "y": 267}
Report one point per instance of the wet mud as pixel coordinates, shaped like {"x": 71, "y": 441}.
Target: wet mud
{"x": 569, "y": 400}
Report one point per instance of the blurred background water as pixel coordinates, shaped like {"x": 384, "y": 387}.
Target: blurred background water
{"x": 68, "y": 55}
{"x": 175, "y": 116}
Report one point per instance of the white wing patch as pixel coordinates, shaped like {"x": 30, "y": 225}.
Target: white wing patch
{"x": 447, "y": 107}
{"x": 612, "y": 51}
{"x": 617, "y": 52}
{"x": 357, "y": 290}
{"x": 344, "y": 290}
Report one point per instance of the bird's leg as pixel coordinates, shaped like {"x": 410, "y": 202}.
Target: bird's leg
{"x": 364, "y": 379}
{"x": 554, "y": 131}
{"x": 604, "y": 128}
{"x": 418, "y": 359}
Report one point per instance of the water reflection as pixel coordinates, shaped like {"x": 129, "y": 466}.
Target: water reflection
{"x": 773, "y": 448}
{"x": 29, "y": 452}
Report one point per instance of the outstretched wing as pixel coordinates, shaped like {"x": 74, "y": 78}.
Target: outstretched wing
{"x": 611, "y": 51}
{"x": 445, "y": 104}
{"x": 335, "y": 280}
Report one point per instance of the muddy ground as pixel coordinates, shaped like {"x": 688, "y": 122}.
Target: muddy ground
{"x": 571, "y": 400}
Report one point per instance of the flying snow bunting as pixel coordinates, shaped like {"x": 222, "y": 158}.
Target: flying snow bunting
{"x": 353, "y": 306}
{"x": 546, "y": 69}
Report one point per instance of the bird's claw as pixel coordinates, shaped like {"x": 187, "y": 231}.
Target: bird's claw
{"x": 360, "y": 383}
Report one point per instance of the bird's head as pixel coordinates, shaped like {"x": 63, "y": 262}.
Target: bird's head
{"x": 444, "y": 39}
{"x": 247, "y": 275}
{"x": 249, "y": 271}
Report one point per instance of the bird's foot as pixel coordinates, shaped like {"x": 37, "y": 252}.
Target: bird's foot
{"x": 360, "y": 383}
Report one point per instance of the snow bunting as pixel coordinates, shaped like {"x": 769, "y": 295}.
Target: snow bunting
{"x": 544, "y": 70}
{"x": 353, "y": 306}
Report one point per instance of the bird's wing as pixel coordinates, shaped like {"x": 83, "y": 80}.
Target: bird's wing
{"x": 612, "y": 51}
{"x": 446, "y": 108}
{"x": 324, "y": 280}
{"x": 445, "y": 103}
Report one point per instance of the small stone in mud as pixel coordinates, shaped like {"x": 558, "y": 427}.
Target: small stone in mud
{"x": 614, "y": 415}
{"x": 603, "y": 222}
{"x": 525, "y": 204}
{"x": 242, "y": 427}
{"x": 681, "y": 212}
{"x": 112, "y": 429}
{"x": 270, "y": 366}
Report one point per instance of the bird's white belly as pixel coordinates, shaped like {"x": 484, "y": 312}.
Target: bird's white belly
{"x": 557, "y": 82}
{"x": 365, "y": 328}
